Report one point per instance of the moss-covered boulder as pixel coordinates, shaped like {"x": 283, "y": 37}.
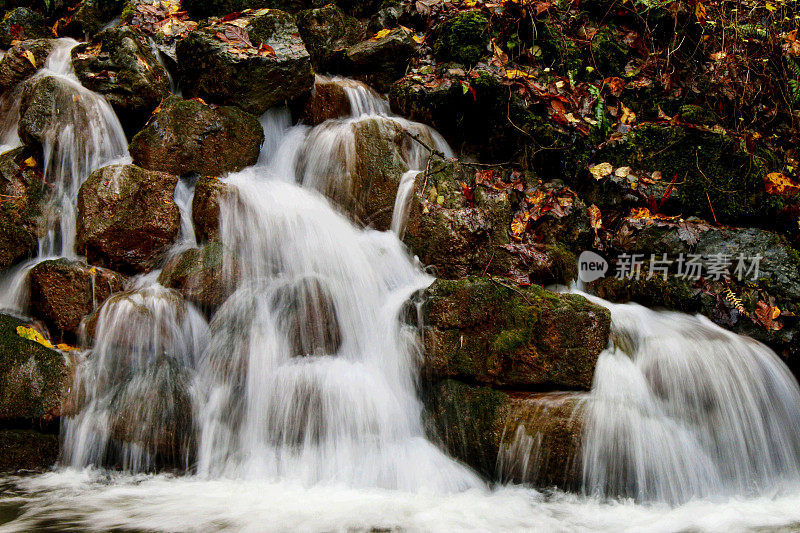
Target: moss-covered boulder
{"x": 208, "y": 193}
{"x": 34, "y": 379}
{"x": 201, "y": 276}
{"x": 25, "y": 449}
{"x": 212, "y": 8}
{"x": 127, "y": 217}
{"x": 510, "y": 436}
{"x": 456, "y": 234}
{"x": 464, "y": 38}
{"x": 42, "y": 101}
{"x": 257, "y": 64}
{"x": 16, "y": 66}
{"x": 486, "y": 331}
{"x": 327, "y": 32}
{"x": 20, "y": 24}
{"x": 327, "y": 101}
{"x": 381, "y": 60}
{"x": 186, "y": 136}
{"x": 715, "y": 176}
{"x": 20, "y": 212}
{"x": 120, "y": 64}
{"x": 92, "y": 16}
{"x": 63, "y": 291}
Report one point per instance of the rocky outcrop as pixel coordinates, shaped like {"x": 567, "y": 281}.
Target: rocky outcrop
{"x": 120, "y": 64}
{"x": 381, "y": 60}
{"x": 34, "y": 379}
{"x": 327, "y": 101}
{"x": 24, "y": 449}
{"x": 463, "y": 39}
{"x": 92, "y": 15}
{"x": 200, "y": 276}
{"x": 255, "y": 62}
{"x": 43, "y": 100}
{"x": 21, "y": 187}
{"x": 489, "y": 332}
{"x": 127, "y": 217}
{"x": 16, "y": 64}
{"x": 186, "y": 136}
{"x": 208, "y": 192}
{"x": 327, "y": 32}
{"x": 63, "y": 291}
{"x": 20, "y": 24}
{"x": 211, "y": 8}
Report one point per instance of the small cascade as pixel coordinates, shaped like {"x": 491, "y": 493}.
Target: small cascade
{"x": 682, "y": 409}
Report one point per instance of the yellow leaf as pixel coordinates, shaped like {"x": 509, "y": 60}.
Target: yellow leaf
{"x": 594, "y": 217}
{"x": 515, "y": 73}
{"x": 700, "y": 13}
{"x": 381, "y": 34}
{"x": 66, "y": 347}
{"x": 778, "y": 183}
{"x": 771, "y": 7}
{"x": 440, "y": 200}
{"x": 601, "y": 171}
{"x": 30, "y": 162}
{"x": 33, "y": 335}
{"x": 27, "y": 54}
{"x": 418, "y": 39}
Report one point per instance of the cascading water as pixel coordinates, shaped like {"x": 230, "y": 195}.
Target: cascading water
{"x": 683, "y": 409}
{"x": 82, "y": 134}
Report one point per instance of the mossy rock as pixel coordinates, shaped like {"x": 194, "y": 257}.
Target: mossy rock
{"x": 490, "y": 332}
{"x": 327, "y": 32}
{"x": 381, "y": 61}
{"x": 210, "y": 68}
{"x": 120, "y": 64}
{"x": 20, "y": 214}
{"x": 212, "y": 8}
{"x": 200, "y": 275}
{"x": 15, "y": 67}
{"x": 34, "y": 380}
{"x": 92, "y": 16}
{"x": 463, "y": 38}
{"x": 189, "y": 136}
{"x": 208, "y": 193}
{"x": 715, "y": 177}
{"x": 20, "y": 24}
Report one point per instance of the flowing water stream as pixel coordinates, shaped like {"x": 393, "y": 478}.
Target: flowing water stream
{"x": 296, "y": 409}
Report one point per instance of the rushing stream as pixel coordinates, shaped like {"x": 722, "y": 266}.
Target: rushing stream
{"x": 296, "y": 406}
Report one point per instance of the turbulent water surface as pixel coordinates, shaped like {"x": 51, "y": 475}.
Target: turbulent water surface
{"x": 296, "y": 407}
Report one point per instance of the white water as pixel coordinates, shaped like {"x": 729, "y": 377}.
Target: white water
{"x": 304, "y": 401}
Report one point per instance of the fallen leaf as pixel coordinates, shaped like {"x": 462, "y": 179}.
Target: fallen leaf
{"x": 766, "y": 315}
{"x": 33, "y": 335}
{"x": 595, "y": 218}
{"x": 381, "y": 34}
{"x": 622, "y": 172}
{"x": 27, "y": 54}
{"x": 778, "y": 183}
{"x": 601, "y": 170}
{"x": 30, "y": 162}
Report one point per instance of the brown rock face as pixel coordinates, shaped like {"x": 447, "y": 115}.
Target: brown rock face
{"x": 127, "y": 217}
{"x": 189, "y": 136}
{"x": 15, "y": 66}
{"x": 21, "y": 187}
{"x": 326, "y": 102}
{"x": 208, "y": 192}
{"x": 200, "y": 276}
{"x": 64, "y": 291}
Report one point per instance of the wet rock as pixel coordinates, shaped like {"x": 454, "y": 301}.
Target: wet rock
{"x": 127, "y": 217}
{"x": 327, "y": 32}
{"x": 15, "y": 67}
{"x": 383, "y": 60}
{"x": 24, "y": 449}
{"x": 186, "y": 136}
{"x": 21, "y": 187}
{"x": 33, "y": 379}
{"x": 489, "y": 332}
{"x": 307, "y": 310}
{"x": 20, "y": 24}
{"x": 92, "y": 16}
{"x": 211, "y": 8}
{"x": 43, "y": 100}
{"x": 120, "y": 64}
{"x": 250, "y": 77}
{"x": 327, "y": 101}
{"x": 463, "y": 39}
{"x": 63, "y": 291}
{"x": 208, "y": 192}
{"x": 458, "y": 237}
{"x": 541, "y": 442}
{"x": 199, "y": 274}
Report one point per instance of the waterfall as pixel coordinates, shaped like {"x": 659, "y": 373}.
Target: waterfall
{"x": 681, "y": 408}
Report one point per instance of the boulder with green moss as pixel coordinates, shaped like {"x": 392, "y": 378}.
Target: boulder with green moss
{"x": 381, "y": 60}
{"x": 463, "y": 38}
{"x": 20, "y": 24}
{"x": 327, "y": 32}
{"x": 34, "y": 379}
{"x": 452, "y": 233}
{"x": 200, "y": 275}
{"x": 488, "y": 331}
{"x": 63, "y": 291}
{"x": 267, "y": 69}
{"x": 92, "y": 16}
{"x": 216, "y": 8}
{"x": 20, "y": 212}
{"x": 120, "y": 64}
{"x": 208, "y": 193}
{"x": 16, "y": 66}
{"x": 186, "y": 136}
{"x": 510, "y": 436}
{"x": 127, "y": 217}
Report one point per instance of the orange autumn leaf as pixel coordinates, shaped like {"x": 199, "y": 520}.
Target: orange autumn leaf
{"x": 778, "y": 183}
